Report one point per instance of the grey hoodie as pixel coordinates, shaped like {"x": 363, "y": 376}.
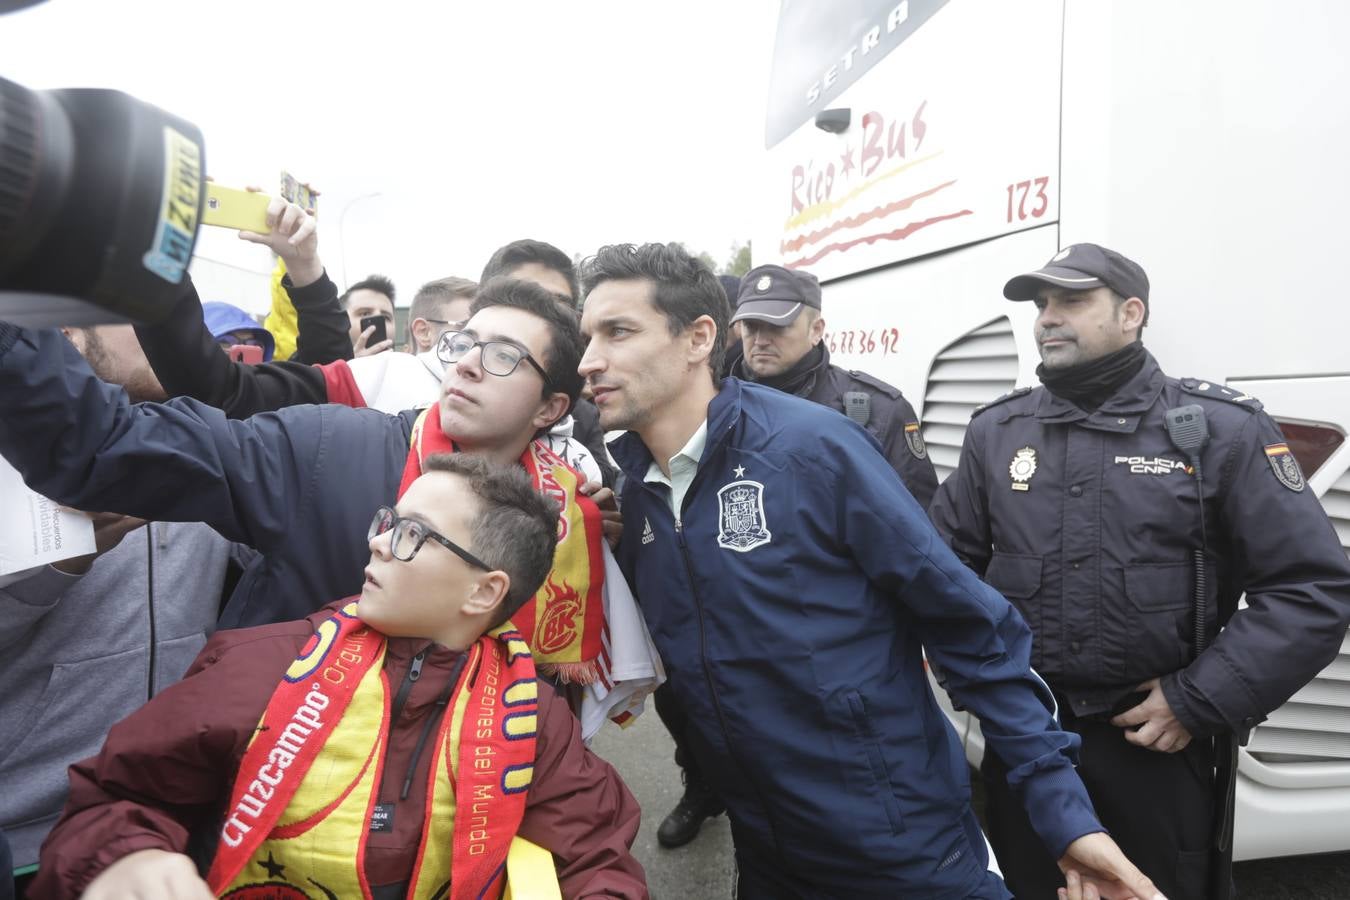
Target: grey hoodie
{"x": 75, "y": 657}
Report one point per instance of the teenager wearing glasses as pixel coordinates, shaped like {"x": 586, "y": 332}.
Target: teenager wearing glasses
{"x": 300, "y": 485}
{"x": 188, "y": 364}
{"x": 384, "y": 746}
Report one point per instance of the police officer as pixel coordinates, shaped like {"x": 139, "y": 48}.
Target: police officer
{"x": 1078, "y": 503}
{"x": 778, "y": 312}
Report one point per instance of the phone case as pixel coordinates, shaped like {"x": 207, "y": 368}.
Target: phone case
{"x": 232, "y": 208}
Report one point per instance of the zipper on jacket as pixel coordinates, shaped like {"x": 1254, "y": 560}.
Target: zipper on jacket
{"x": 396, "y": 711}
{"x": 703, "y": 648}
{"x": 404, "y": 689}
{"x": 150, "y": 607}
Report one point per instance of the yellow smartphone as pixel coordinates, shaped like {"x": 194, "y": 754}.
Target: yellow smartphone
{"x": 233, "y": 208}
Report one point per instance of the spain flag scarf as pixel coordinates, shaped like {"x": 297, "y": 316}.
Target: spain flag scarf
{"x": 300, "y": 810}
{"x": 564, "y": 623}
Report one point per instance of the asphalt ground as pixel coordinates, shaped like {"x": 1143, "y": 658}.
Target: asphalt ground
{"x": 703, "y": 869}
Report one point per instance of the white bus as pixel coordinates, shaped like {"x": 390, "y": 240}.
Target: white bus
{"x": 969, "y": 140}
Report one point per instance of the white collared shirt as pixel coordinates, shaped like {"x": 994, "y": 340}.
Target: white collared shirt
{"x": 683, "y": 467}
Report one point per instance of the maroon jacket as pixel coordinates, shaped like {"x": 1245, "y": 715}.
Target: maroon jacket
{"x": 165, "y": 773}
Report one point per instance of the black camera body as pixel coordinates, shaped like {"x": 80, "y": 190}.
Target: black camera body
{"x": 101, "y": 197}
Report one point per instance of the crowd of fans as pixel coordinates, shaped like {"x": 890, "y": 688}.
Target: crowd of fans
{"x": 356, "y": 611}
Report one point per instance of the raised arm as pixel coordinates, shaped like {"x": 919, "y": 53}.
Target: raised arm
{"x": 81, "y": 442}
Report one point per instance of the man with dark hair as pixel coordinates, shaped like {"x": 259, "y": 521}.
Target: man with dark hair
{"x": 285, "y": 725}
{"x": 1083, "y": 502}
{"x": 536, "y": 261}
{"x": 439, "y": 306}
{"x": 793, "y": 586}
{"x": 371, "y": 296}
{"x": 298, "y": 484}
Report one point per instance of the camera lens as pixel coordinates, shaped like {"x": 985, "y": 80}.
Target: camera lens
{"x": 36, "y": 156}
{"x": 100, "y": 199}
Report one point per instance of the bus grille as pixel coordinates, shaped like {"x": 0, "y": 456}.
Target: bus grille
{"x": 1314, "y": 726}
{"x": 978, "y": 367}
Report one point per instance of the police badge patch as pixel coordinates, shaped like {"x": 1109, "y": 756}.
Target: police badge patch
{"x": 1285, "y": 467}
{"x": 914, "y": 437}
{"x": 741, "y": 518}
{"x": 1022, "y": 467}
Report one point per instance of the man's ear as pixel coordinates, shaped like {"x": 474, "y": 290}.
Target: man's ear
{"x": 817, "y": 330}
{"x": 1132, "y": 314}
{"x": 420, "y": 329}
{"x": 703, "y": 337}
{"x": 551, "y": 410}
{"x": 488, "y": 593}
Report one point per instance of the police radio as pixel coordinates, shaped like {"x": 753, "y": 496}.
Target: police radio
{"x": 1189, "y": 432}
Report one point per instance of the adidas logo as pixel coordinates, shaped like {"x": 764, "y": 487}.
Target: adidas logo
{"x": 647, "y": 536}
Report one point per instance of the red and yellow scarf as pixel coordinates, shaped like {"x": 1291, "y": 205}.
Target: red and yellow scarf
{"x": 564, "y": 623}
{"x": 300, "y": 809}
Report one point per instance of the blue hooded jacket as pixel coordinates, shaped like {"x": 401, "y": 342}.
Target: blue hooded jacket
{"x": 792, "y": 602}
{"x": 223, "y": 318}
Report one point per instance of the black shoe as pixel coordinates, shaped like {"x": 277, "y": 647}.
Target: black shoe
{"x": 682, "y": 825}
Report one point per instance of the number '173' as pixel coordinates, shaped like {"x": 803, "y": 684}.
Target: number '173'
{"x": 1017, "y": 199}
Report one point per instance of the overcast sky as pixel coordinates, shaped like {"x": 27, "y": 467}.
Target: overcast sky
{"x": 576, "y": 123}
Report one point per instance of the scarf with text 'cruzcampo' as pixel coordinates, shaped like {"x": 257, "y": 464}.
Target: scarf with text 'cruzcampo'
{"x": 300, "y": 810}
{"x": 564, "y": 623}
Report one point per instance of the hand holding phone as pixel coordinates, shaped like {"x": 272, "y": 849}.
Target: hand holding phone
{"x": 283, "y": 227}
{"x": 381, "y": 332}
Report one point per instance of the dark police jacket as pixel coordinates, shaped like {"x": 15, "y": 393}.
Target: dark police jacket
{"x": 1087, "y": 521}
{"x": 789, "y": 604}
{"x": 892, "y": 421}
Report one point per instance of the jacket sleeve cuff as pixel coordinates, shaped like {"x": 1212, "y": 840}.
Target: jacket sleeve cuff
{"x": 1057, "y": 804}
{"x": 320, "y": 292}
{"x": 1176, "y": 696}
{"x": 80, "y": 874}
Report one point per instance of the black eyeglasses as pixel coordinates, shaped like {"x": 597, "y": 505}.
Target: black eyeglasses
{"x": 458, "y": 325}
{"x": 410, "y": 535}
{"x": 499, "y": 357}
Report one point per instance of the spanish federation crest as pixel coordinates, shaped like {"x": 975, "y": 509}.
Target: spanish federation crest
{"x": 741, "y": 517}
{"x": 1285, "y": 467}
{"x": 914, "y": 438}
{"x": 1022, "y": 467}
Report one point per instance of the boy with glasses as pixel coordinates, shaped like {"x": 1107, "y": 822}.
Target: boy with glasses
{"x": 276, "y": 766}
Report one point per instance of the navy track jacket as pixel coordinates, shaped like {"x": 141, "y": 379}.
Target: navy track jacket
{"x": 792, "y": 602}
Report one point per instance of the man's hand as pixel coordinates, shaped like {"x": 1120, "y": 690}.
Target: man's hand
{"x": 1159, "y": 728}
{"x": 611, "y": 518}
{"x": 360, "y": 348}
{"x": 109, "y": 529}
{"x": 1094, "y": 867}
{"x": 294, "y": 237}
{"x": 149, "y": 875}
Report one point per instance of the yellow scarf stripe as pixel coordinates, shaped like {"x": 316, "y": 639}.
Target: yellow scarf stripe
{"x": 516, "y": 648}
{"x": 517, "y": 778}
{"x": 524, "y": 691}
{"x": 520, "y": 725}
